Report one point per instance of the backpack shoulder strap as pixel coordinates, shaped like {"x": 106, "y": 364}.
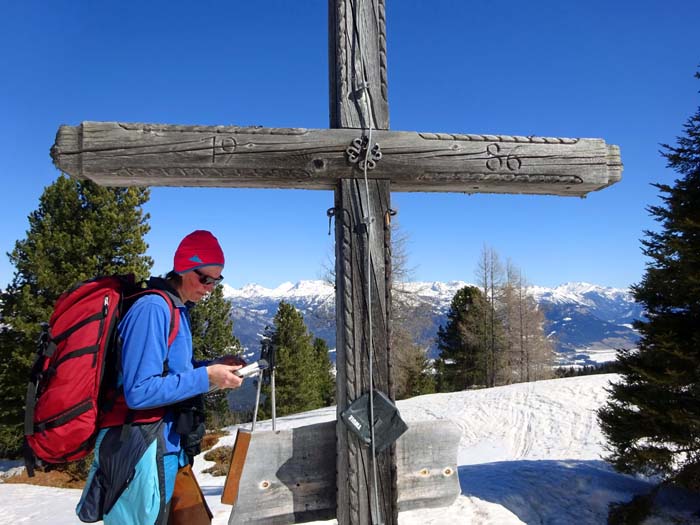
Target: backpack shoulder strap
{"x": 174, "y": 313}
{"x": 171, "y": 301}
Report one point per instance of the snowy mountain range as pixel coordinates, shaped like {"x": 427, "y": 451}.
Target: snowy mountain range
{"x": 587, "y": 321}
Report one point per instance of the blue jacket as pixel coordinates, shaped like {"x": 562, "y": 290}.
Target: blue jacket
{"x": 144, "y": 332}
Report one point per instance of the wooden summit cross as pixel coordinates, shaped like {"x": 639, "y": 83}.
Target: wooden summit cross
{"x": 118, "y": 154}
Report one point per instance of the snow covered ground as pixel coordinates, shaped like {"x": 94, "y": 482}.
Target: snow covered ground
{"x": 529, "y": 453}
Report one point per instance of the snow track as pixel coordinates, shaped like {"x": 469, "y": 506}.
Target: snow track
{"x": 553, "y": 419}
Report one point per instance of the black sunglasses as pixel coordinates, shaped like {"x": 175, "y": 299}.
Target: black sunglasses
{"x": 208, "y": 279}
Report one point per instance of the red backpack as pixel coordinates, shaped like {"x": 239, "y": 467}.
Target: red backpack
{"x": 72, "y": 388}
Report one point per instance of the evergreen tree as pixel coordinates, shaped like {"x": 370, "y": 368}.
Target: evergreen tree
{"x": 212, "y": 327}
{"x": 79, "y": 231}
{"x": 212, "y": 337}
{"x": 413, "y": 374}
{"x": 464, "y": 342}
{"x": 652, "y": 420}
{"x": 325, "y": 377}
{"x": 296, "y": 374}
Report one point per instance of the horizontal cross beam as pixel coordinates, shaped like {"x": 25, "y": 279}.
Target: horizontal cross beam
{"x": 117, "y": 154}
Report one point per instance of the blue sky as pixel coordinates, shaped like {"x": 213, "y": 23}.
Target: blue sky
{"x": 618, "y": 70}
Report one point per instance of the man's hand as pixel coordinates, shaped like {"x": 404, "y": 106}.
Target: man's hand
{"x": 222, "y": 376}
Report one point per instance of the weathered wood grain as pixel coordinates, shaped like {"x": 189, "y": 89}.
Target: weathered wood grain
{"x": 426, "y": 459}
{"x": 354, "y": 209}
{"x": 118, "y": 154}
{"x": 289, "y": 477}
{"x": 357, "y": 54}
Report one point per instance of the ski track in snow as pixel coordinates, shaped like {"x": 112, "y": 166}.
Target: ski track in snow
{"x": 529, "y": 454}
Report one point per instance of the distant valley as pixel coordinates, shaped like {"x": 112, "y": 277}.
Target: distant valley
{"x": 588, "y": 322}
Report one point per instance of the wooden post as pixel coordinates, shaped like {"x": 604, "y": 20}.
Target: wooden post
{"x": 358, "y": 99}
{"x": 355, "y": 476}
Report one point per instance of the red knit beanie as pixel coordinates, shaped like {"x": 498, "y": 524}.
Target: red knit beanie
{"x": 199, "y": 248}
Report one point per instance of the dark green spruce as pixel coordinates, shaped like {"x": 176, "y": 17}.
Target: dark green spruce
{"x": 652, "y": 420}
{"x": 326, "y": 379}
{"x": 464, "y": 342}
{"x": 302, "y": 376}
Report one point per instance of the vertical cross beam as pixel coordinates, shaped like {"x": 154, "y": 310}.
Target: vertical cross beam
{"x": 358, "y": 99}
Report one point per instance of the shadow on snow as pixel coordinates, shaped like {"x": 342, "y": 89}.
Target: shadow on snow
{"x": 549, "y": 491}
